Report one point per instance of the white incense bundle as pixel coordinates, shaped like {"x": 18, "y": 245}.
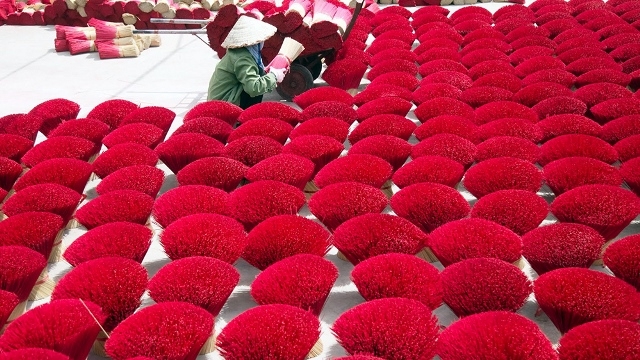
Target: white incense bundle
{"x": 129, "y": 19}
{"x": 146, "y": 40}
{"x": 111, "y": 51}
{"x": 162, "y": 6}
{"x": 155, "y": 40}
{"x": 81, "y": 3}
{"x": 291, "y": 48}
{"x": 71, "y": 4}
{"x": 302, "y": 7}
{"x": 188, "y": 2}
{"x": 146, "y": 6}
{"x": 169, "y": 14}
{"x": 81, "y": 11}
{"x": 117, "y": 42}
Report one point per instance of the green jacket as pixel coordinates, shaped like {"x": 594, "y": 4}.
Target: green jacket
{"x": 238, "y": 71}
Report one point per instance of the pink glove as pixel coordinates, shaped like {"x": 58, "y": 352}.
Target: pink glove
{"x": 279, "y": 62}
{"x": 279, "y": 73}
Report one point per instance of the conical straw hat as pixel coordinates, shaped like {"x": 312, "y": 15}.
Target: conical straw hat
{"x": 248, "y": 31}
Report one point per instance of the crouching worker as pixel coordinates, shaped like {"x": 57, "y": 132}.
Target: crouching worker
{"x": 240, "y": 77}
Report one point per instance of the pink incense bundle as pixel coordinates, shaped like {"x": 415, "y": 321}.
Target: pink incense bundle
{"x": 154, "y": 115}
{"x": 446, "y": 145}
{"x": 578, "y": 53}
{"x": 325, "y": 126}
{"x": 443, "y": 106}
{"x": 565, "y": 174}
{"x": 80, "y": 33}
{"x": 269, "y": 127}
{"x": 212, "y": 127}
{"x": 52, "y": 198}
{"x": 396, "y": 275}
{"x": 215, "y": 108}
{"x": 145, "y": 332}
{"x": 77, "y": 46}
{"x": 114, "y": 51}
{"x": 345, "y": 74}
{"x": 317, "y": 148}
{"x": 621, "y": 258}
{"x": 323, "y": 93}
{"x": 204, "y": 234}
{"x": 111, "y": 112}
{"x": 615, "y": 108}
{"x": 574, "y": 296}
{"x": 337, "y": 203}
{"x": 564, "y": 124}
{"x": 250, "y": 150}
{"x": 336, "y": 109}
{"x": 502, "y": 174}
{"x": 493, "y": 335}
{"x": 122, "y": 239}
{"x": 435, "y": 66}
{"x": 66, "y": 326}
{"x": 121, "y": 156}
{"x": 433, "y": 169}
{"x": 108, "y": 32}
{"x": 269, "y": 109}
{"x": 139, "y": 133}
{"x": 477, "y": 96}
{"x": 363, "y": 168}
{"x": 594, "y": 94}
{"x": 561, "y": 245}
{"x": 14, "y": 146}
{"x": 198, "y": 280}
{"x": 260, "y": 200}
{"x": 480, "y": 285}
{"x": 101, "y": 282}
{"x": 481, "y": 55}
{"x": 429, "y": 205}
{"x": 287, "y": 168}
{"x": 489, "y": 67}
{"x": 142, "y": 178}
{"x": 218, "y": 172}
{"x": 301, "y": 236}
{"x": 60, "y": 147}
{"x": 447, "y": 124}
{"x": 53, "y": 112}
{"x": 474, "y": 238}
{"x": 180, "y": 150}
{"x": 357, "y": 244}
{"x": 303, "y": 281}
{"x": 281, "y": 331}
{"x": 605, "y": 339}
{"x": 92, "y": 130}
{"x": 530, "y": 51}
{"x": 385, "y": 124}
{"x": 187, "y": 200}
{"x": 9, "y": 173}
{"x": 35, "y": 230}
{"x": 120, "y": 205}
{"x": 407, "y": 329}
{"x": 21, "y": 268}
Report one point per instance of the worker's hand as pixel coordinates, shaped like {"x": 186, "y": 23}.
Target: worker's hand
{"x": 280, "y": 61}
{"x": 279, "y": 73}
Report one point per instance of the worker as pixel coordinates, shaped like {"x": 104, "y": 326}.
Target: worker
{"x": 240, "y": 77}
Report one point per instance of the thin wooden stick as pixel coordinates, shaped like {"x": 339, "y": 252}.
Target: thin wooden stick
{"x": 94, "y": 319}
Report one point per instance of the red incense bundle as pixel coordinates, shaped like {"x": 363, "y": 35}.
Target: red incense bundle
{"x": 188, "y": 200}
{"x": 308, "y": 289}
{"x": 265, "y": 241}
{"x": 198, "y": 280}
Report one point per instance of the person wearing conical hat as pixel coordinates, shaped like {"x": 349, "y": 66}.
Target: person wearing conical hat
{"x": 240, "y": 77}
